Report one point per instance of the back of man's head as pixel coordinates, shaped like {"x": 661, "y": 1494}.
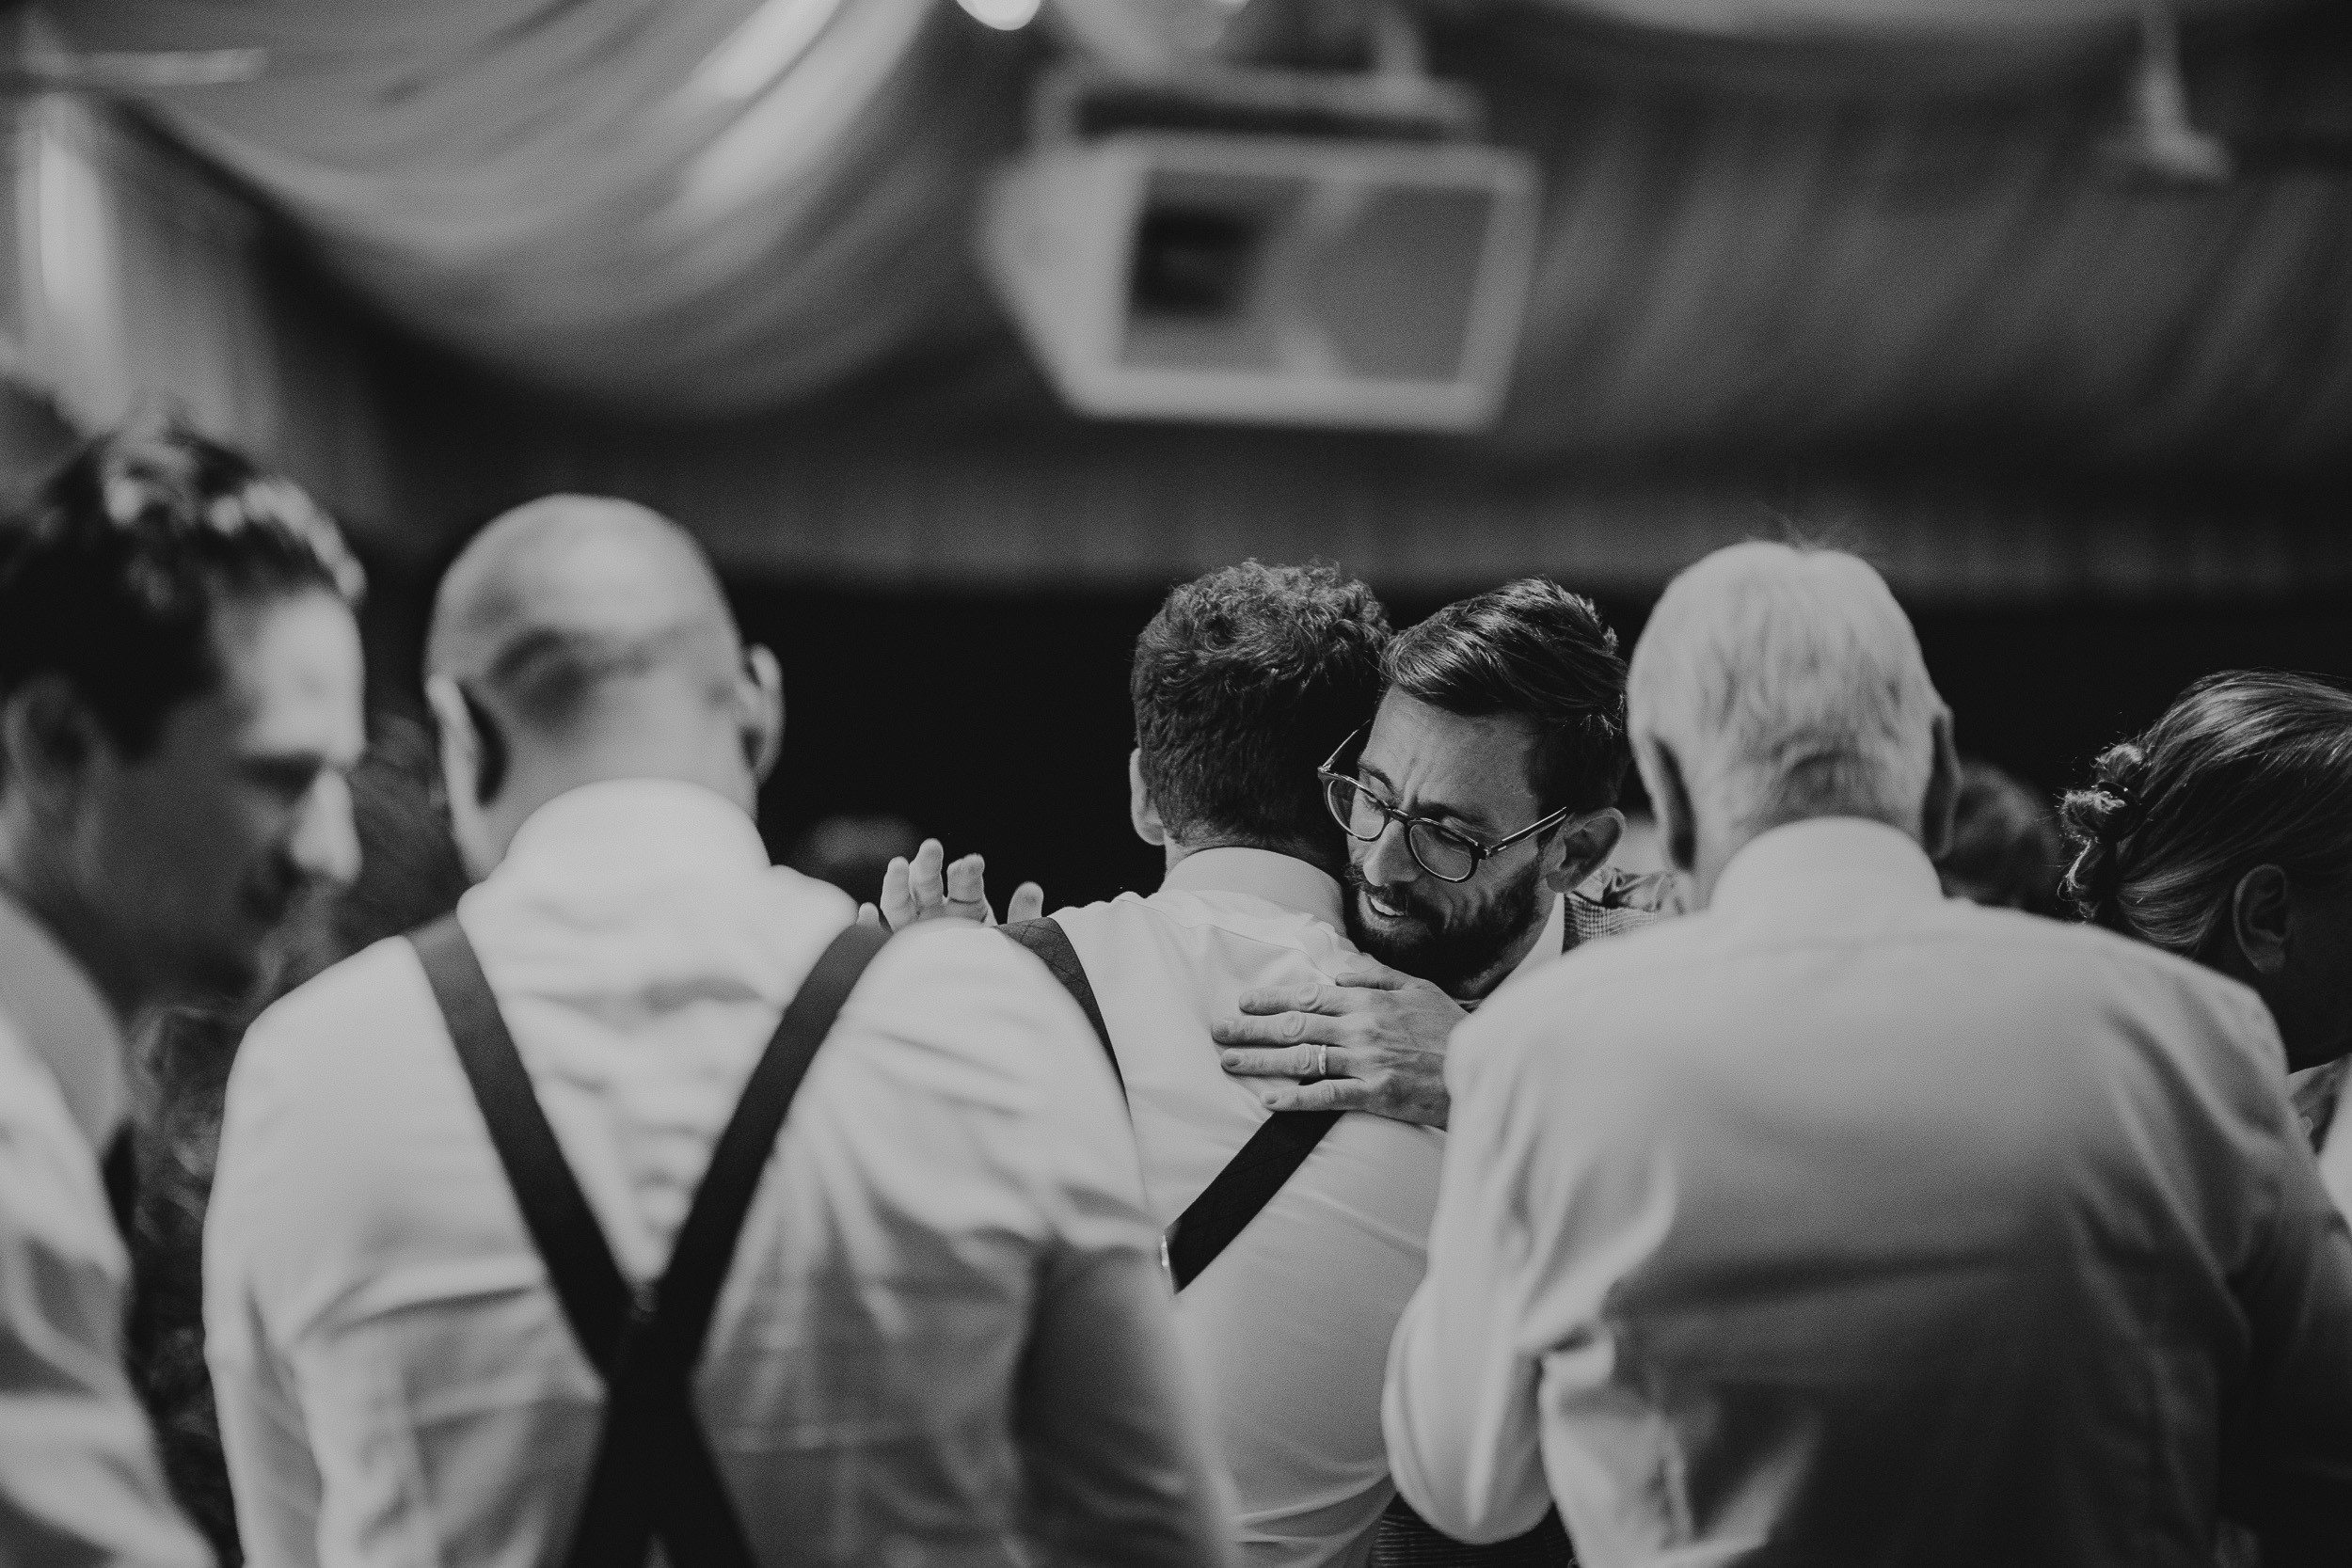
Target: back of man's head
{"x": 1786, "y": 684}
{"x": 111, "y": 577}
{"x": 1532, "y": 650}
{"x": 577, "y": 638}
{"x": 1245, "y": 680}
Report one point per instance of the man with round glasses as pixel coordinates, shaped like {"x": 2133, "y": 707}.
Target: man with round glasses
{"x": 1479, "y": 806}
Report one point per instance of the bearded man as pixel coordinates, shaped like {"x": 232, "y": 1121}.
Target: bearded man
{"x": 1480, "y": 809}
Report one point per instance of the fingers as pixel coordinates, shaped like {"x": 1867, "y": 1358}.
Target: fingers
{"x": 868, "y": 914}
{"x": 926, "y": 888}
{"x": 1379, "y": 976}
{"x": 1029, "y": 903}
{"x": 1314, "y": 997}
{"x": 1281, "y": 1029}
{"x": 1329, "y": 1094}
{"x": 924, "y": 880}
{"x": 967, "y": 890}
{"x": 897, "y": 896}
{"x": 1290, "y": 1061}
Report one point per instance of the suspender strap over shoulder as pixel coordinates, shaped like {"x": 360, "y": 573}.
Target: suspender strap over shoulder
{"x": 654, "y": 1473}
{"x": 1246, "y": 1184}
{"x": 1250, "y": 1179}
{"x": 1046, "y": 938}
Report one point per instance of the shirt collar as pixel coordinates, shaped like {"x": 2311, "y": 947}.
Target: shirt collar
{"x": 646, "y": 824}
{"x": 1842, "y": 862}
{"x": 1283, "y": 880}
{"x": 60, "y": 1016}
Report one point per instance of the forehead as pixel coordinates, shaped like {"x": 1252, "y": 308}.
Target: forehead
{"x": 291, "y": 674}
{"x": 1475, "y": 767}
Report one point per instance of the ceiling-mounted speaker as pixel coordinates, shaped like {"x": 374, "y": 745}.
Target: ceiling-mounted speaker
{"x": 1267, "y": 278}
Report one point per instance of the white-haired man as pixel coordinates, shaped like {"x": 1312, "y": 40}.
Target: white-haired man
{"x": 1843, "y": 1225}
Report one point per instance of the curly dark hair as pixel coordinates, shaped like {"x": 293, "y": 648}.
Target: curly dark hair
{"x": 1245, "y": 679}
{"x": 1532, "y": 649}
{"x": 109, "y": 575}
{"x": 2246, "y": 768}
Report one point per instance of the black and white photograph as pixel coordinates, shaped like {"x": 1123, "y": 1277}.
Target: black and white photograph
{"x": 1175, "y": 783}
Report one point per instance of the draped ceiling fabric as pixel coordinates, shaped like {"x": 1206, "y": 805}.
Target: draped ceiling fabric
{"x": 671, "y": 205}
{"x": 137, "y": 282}
{"x": 1781, "y": 238}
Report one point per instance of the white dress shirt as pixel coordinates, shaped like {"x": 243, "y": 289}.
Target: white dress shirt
{"x": 2335, "y": 1154}
{"x": 1844, "y": 1225}
{"x": 79, "y": 1479}
{"x": 1289, "y": 1327}
{"x": 944, "y": 1341}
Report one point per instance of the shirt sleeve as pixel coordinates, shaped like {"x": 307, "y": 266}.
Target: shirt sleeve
{"x": 1547, "y": 1199}
{"x": 2292, "y": 1460}
{"x": 81, "y": 1482}
{"x": 1115, "y": 1446}
{"x": 272, "y": 1473}
{"x": 1118, "y": 1451}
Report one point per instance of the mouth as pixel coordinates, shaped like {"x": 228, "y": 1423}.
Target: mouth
{"x": 1380, "y": 907}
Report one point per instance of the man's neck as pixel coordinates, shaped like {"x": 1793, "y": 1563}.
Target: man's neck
{"x": 1180, "y": 850}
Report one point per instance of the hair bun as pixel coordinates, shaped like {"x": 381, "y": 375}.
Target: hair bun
{"x": 2097, "y": 819}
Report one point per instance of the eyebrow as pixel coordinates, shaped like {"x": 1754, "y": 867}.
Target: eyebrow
{"x": 1434, "y": 813}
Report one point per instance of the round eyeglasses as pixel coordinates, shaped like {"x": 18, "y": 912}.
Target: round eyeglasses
{"x": 1446, "y": 853}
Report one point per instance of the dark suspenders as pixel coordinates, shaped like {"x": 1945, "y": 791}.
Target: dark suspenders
{"x": 1250, "y": 1179}
{"x": 653, "y": 1474}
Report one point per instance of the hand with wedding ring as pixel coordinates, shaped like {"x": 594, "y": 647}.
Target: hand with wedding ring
{"x": 1371, "y": 1040}
{"x": 928, "y": 888}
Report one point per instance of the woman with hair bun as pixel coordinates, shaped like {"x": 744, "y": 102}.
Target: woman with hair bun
{"x": 2223, "y": 833}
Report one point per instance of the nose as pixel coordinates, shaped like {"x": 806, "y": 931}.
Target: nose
{"x": 1390, "y": 861}
{"x": 325, "y": 844}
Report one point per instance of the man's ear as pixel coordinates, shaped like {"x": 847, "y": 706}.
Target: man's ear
{"x": 1670, "y": 798}
{"x": 1940, "y": 804}
{"x": 1141, "y": 810}
{"x": 2259, "y": 919}
{"x": 1580, "y": 848}
{"x": 763, "y": 717}
{"x": 49, "y": 738}
{"x": 460, "y": 744}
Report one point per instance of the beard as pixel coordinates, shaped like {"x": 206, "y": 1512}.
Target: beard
{"x": 1449, "y": 949}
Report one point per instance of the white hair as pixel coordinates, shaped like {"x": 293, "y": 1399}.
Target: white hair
{"x": 1787, "y": 684}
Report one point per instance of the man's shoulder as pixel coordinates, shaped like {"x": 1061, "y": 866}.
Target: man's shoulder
{"x": 48, "y": 1195}
{"x": 334, "y": 1029}
{"x": 1212, "y": 933}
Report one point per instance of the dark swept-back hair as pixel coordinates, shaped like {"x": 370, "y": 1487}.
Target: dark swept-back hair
{"x": 2246, "y": 768}
{"x": 1244, "y": 681}
{"x": 1534, "y": 650}
{"x": 109, "y": 575}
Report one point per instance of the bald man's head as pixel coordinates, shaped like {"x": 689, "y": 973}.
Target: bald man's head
{"x": 580, "y": 640}
{"x": 562, "y": 601}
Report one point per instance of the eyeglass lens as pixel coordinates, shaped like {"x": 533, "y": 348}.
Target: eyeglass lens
{"x": 1366, "y": 816}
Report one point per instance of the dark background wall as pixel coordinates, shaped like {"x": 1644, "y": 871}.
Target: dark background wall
{"x": 1000, "y": 722}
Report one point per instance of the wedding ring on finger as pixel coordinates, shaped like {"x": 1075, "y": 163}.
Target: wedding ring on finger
{"x": 1322, "y": 1061}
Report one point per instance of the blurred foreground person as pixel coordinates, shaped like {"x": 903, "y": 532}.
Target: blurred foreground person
{"x": 2005, "y": 852}
{"x": 493, "y": 1297}
{"x": 180, "y": 697}
{"x": 1843, "y": 1223}
{"x": 2223, "y": 833}
{"x": 409, "y": 873}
